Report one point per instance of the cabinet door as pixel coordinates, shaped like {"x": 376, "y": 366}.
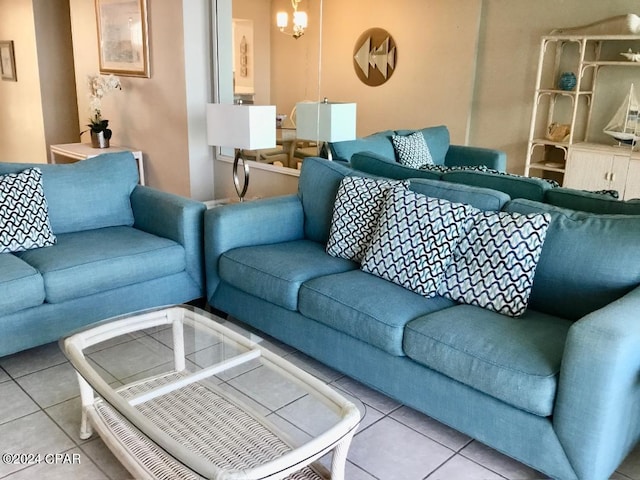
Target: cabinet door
{"x": 588, "y": 170}
{"x": 632, "y": 188}
{"x": 618, "y": 174}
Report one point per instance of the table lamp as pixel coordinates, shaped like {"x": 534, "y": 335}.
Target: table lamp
{"x": 326, "y": 121}
{"x": 241, "y": 127}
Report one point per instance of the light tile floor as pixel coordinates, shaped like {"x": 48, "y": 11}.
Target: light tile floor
{"x": 40, "y": 412}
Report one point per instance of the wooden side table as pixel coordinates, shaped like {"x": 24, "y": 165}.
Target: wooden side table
{"x": 82, "y": 151}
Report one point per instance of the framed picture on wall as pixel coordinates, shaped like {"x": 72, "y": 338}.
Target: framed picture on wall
{"x": 123, "y": 37}
{"x": 7, "y": 61}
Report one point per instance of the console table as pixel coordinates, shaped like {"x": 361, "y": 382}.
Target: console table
{"x": 82, "y": 151}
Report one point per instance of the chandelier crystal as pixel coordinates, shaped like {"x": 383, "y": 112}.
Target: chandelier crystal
{"x": 300, "y": 21}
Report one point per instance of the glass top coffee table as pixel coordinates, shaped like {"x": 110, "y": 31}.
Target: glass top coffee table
{"x": 176, "y": 393}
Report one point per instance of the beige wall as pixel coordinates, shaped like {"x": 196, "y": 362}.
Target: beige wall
{"x": 149, "y": 114}
{"x": 436, "y": 48}
{"x": 22, "y": 136}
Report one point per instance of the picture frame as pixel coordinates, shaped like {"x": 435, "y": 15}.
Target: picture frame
{"x": 123, "y": 37}
{"x": 7, "y": 61}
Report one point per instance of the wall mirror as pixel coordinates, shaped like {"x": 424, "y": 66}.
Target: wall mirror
{"x": 258, "y": 63}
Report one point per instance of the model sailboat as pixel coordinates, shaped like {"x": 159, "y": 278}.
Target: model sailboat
{"x": 624, "y": 125}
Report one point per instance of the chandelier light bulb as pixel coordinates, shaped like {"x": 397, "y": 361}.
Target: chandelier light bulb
{"x": 282, "y": 19}
{"x": 300, "y": 19}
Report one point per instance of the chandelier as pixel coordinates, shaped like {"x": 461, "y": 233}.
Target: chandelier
{"x": 299, "y": 21}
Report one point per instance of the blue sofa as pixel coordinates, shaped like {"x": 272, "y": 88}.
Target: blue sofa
{"x": 120, "y": 247}
{"x": 438, "y": 141}
{"x": 556, "y": 389}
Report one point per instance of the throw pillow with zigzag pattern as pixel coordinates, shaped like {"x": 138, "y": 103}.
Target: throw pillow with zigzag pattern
{"x": 24, "y": 215}
{"x": 495, "y": 261}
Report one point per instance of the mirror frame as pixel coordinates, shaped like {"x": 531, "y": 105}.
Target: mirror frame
{"x": 222, "y": 73}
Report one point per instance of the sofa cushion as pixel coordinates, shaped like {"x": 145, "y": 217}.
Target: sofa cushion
{"x": 495, "y": 261}
{"x": 437, "y": 139}
{"x": 513, "y": 185}
{"x": 89, "y": 194}
{"x": 21, "y": 285}
{"x": 317, "y": 189}
{"x": 516, "y": 361}
{"x": 93, "y": 261}
{"x": 379, "y": 143}
{"x": 356, "y": 212}
{"x": 590, "y": 201}
{"x": 480, "y": 198}
{"x": 588, "y": 260}
{"x": 412, "y": 150}
{"x": 414, "y": 240}
{"x": 359, "y": 304}
{"x": 275, "y": 272}
{"x": 24, "y": 215}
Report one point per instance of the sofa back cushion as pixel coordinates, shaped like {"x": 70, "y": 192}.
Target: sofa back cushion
{"x": 379, "y": 143}
{"x": 88, "y": 194}
{"x": 590, "y": 201}
{"x": 587, "y": 261}
{"x": 436, "y": 138}
{"x": 317, "y": 189}
{"x": 515, "y": 186}
{"x": 375, "y": 164}
{"x": 481, "y": 198}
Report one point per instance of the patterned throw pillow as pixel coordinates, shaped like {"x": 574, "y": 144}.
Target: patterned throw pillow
{"x": 24, "y": 216}
{"x": 412, "y": 150}
{"x": 494, "y": 264}
{"x": 355, "y": 215}
{"x": 415, "y": 239}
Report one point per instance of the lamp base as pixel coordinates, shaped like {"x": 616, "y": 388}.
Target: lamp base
{"x": 241, "y": 190}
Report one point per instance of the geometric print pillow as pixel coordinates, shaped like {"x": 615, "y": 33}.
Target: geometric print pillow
{"x": 415, "y": 239}
{"x": 24, "y": 216}
{"x": 494, "y": 264}
{"x": 355, "y": 215}
{"x": 412, "y": 150}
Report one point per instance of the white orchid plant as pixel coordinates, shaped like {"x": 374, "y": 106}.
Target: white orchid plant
{"x": 99, "y": 86}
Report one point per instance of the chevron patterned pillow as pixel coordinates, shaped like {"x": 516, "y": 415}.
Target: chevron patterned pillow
{"x": 415, "y": 239}
{"x": 494, "y": 264}
{"x": 412, "y": 150}
{"x": 24, "y": 216}
{"x": 355, "y": 215}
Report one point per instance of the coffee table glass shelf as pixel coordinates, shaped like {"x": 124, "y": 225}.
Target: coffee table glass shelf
{"x": 176, "y": 393}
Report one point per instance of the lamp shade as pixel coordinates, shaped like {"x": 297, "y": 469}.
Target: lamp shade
{"x": 325, "y": 121}
{"x": 241, "y": 126}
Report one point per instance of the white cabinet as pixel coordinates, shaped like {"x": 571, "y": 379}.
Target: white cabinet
{"x": 601, "y": 167}
{"x": 570, "y": 110}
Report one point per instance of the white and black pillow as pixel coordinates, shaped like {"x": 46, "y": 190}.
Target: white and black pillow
{"x": 415, "y": 239}
{"x": 24, "y": 215}
{"x": 412, "y": 150}
{"x": 356, "y": 211}
{"x": 494, "y": 263}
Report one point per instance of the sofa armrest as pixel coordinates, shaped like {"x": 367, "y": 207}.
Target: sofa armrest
{"x": 598, "y": 400}
{"x": 462, "y": 155}
{"x": 177, "y": 218}
{"x": 259, "y": 222}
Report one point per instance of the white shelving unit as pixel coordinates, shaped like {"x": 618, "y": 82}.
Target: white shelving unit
{"x": 586, "y": 56}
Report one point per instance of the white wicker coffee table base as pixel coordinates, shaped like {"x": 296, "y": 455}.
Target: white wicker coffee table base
{"x": 198, "y": 417}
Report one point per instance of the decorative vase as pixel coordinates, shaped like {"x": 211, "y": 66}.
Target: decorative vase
{"x": 98, "y": 140}
{"x": 567, "y": 81}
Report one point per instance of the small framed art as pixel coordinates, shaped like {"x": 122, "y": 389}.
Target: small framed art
{"x": 7, "y": 61}
{"x": 123, "y": 37}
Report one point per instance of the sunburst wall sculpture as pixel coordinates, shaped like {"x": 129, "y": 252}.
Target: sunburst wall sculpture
{"x": 375, "y": 57}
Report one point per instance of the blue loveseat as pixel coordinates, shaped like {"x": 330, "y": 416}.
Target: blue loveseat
{"x": 120, "y": 247}
{"x": 556, "y": 389}
{"x": 438, "y": 141}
